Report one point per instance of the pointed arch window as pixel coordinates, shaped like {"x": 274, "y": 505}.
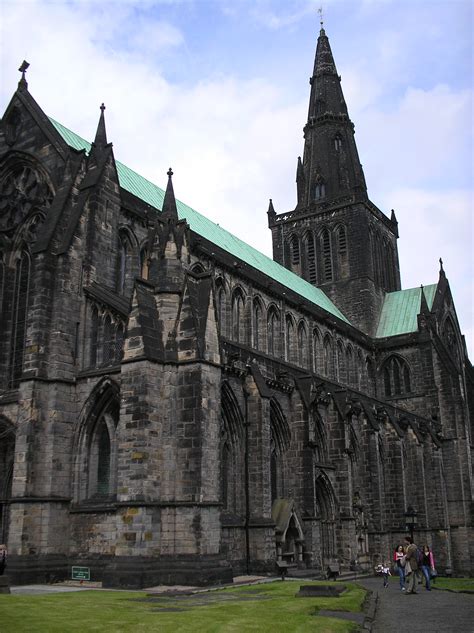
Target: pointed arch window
{"x": 238, "y": 317}
{"x": 257, "y": 318}
{"x": 326, "y": 255}
{"x": 396, "y": 376}
{"x": 124, "y": 262}
{"x": 328, "y": 359}
{"x": 289, "y": 339}
{"x": 310, "y": 258}
{"x": 317, "y": 352}
{"x": 337, "y": 142}
{"x": 295, "y": 250}
{"x": 302, "y": 346}
{"x": 342, "y": 240}
{"x": 273, "y": 327}
{"x": 19, "y": 317}
{"x": 221, "y": 309}
{"x": 319, "y": 190}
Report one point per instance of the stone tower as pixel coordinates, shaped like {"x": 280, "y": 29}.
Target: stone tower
{"x": 336, "y": 238}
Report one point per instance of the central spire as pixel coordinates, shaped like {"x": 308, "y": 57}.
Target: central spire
{"x": 330, "y": 166}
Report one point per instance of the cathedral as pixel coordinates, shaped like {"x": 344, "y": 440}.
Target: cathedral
{"x": 178, "y": 408}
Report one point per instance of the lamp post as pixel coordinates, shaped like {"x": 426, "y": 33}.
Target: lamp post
{"x": 411, "y": 520}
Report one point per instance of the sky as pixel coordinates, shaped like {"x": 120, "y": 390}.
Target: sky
{"x": 219, "y": 91}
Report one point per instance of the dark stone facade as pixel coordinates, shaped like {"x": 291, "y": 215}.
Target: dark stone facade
{"x": 171, "y": 415}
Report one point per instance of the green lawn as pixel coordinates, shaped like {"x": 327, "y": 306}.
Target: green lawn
{"x": 455, "y": 584}
{"x": 267, "y": 608}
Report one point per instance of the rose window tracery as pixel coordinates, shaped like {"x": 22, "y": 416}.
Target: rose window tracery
{"x": 21, "y": 192}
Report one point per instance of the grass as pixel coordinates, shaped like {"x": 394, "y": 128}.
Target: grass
{"x": 268, "y": 608}
{"x": 455, "y": 584}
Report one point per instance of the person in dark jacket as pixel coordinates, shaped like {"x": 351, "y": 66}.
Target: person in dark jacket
{"x": 3, "y": 558}
{"x": 427, "y": 566}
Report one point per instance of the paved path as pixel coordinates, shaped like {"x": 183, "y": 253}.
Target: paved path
{"x": 433, "y": 611}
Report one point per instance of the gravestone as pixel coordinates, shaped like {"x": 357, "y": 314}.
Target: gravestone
{"x": 320, "y": 591}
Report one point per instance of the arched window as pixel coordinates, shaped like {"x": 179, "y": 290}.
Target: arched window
{"x": 341, "y": 370}
{"x": 19, "y": 316}
{"x": 310, "y": 258}
{"x": 370, "y": 376}
{"x": 295, "y": 250}
{"x": 317, "y": 352}
{"x": 341, "y": 238}
{"x": 302, "y": 346}
{"x": 319, "y": 190}
{"x": 326, "y": 255}
{"x": 337, "y": 142}
{"x": 273, "y": 332}
{"x": 257, "y": 324}
{"x": 289, "y": 339}
{"x": 221, "y": 307}
{"x": 95, "y": 462}
{"x": 232, "y": 455}
{"x": 238, "y": 317}
{"x": 328, "y": 359}
{"x": 124, "y": 263}
{"x": 396, "y": 376}
{"x": 350, "y": 373}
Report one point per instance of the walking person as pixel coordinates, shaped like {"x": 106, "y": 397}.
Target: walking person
{"x": 399, "y": 565}
{"x": 385, "y": 574}
{"x": 427, "y": 566}
{"x": 3, "y": 558}
{"x": 411, "y": 565}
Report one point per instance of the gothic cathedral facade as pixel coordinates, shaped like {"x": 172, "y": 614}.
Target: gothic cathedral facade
{"x": 176, "y": 407}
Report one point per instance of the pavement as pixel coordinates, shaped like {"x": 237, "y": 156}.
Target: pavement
{"x": 434, "y": 611}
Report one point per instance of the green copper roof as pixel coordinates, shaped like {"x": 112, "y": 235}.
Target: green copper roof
{"x": 400, "y": 310}
{"x": 153, "y": 195}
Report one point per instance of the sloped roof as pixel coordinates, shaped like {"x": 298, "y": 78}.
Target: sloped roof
{"x": 400, "y": 310}
{"x": 153, "y": 195}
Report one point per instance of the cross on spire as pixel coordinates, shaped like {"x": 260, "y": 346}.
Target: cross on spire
{"x": 23, "y": 68}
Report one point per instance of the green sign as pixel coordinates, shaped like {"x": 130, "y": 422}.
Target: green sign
{"x": 81, "y": 573}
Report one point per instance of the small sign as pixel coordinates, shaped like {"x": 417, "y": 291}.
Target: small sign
{"x": 81, "y": 573}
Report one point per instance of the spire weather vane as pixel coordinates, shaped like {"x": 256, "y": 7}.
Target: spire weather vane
{"x": 320, "y": 11}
